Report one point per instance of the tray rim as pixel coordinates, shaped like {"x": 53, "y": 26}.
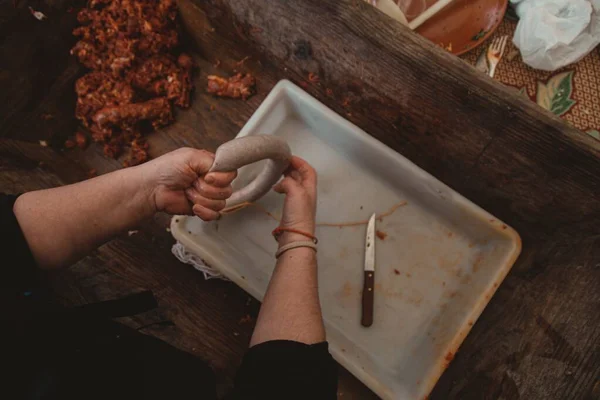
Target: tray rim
{"x": 285, "y": 87}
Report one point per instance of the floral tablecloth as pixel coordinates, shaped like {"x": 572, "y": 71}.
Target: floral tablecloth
{"x": 573, "y": 92}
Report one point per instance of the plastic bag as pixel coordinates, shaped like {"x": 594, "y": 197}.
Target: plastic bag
{"x": 554, "y": 33}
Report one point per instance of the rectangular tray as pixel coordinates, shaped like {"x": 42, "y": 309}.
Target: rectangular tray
{"x": 437, "y": 268}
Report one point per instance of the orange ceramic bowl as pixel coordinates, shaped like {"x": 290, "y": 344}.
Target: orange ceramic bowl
{"x": 464, "y": 24}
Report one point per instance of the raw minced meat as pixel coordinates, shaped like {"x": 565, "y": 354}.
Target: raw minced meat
{"x": 238, "y": 86}
{"x": 136, "y": 77}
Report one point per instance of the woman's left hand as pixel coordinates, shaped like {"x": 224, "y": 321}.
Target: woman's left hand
{"x": 178, "y": 183}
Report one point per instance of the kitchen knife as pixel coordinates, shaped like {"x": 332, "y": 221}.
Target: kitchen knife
{"x": 369, "y": 279}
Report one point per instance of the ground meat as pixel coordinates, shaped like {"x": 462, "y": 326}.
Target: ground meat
{"x": 162, "y": 76}
{"x": 235, "y": 87}
{"x": 116, "y": 32}
{"x": 136, "y": 78}
{"x": 127, "y": 117}
{"x": 137, "y": 153}
{"x": 186, "y": 64}
{"x": 113, "y": 147}
{"x": 80, "y": 140}
{"x": 97, "y": 90}
{"x": 102, "y": 47}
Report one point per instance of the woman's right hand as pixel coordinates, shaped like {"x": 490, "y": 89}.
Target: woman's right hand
{"x": 179, "y": 183}
{"x": 300, "y": 188}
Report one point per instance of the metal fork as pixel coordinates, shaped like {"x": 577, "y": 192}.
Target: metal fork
{"x": 495, "y": 53}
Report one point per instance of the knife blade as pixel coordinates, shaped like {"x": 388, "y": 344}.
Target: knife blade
{"x": 368, "y": 294}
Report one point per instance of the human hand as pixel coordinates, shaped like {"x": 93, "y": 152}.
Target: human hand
{"x": 300, "y": 188}
{"x": 179, "y": 184}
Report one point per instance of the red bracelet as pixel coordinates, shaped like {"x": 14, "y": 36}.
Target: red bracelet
{"x": 279, "y": 230}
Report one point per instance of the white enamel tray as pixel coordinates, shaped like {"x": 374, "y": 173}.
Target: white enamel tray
{"x": 440, "y": 262}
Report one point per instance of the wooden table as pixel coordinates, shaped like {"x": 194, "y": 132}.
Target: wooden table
{"x": 538, "y": 338}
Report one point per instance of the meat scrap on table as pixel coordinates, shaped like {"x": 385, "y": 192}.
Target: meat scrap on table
{"x": 238, "y": 86}
{"x": 136, "y": 77}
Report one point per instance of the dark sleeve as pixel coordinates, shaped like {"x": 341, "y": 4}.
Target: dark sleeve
{"x": 21, "y": 267}
{"x": 284, "y": 369}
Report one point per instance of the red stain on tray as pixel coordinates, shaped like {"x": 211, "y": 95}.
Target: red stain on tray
{"x": 396, "y": 272}
{"x": 450, "y": 261}
{"x": 415, "y": 300}
{"x": 391, "y": 294}
{"x": 346, "y": 290}
{"x": 448, "y": 359}
{"x": 344, "y": 253}
{"x": 477, "y": 262}
{"x": 381, "y": 235}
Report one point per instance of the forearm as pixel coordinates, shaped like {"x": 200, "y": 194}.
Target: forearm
{"x": 291, "y": 309}
{"x": 63, "y": 224}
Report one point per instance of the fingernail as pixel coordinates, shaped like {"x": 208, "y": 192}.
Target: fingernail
{"x": 209, "y": 179}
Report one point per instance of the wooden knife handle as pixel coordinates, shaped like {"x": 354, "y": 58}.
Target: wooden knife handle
{"x": 368, "y": 297}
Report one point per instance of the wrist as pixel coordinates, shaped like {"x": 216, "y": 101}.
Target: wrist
{"x": 145, "y": 187}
